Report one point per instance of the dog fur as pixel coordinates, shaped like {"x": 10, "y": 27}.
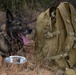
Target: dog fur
{"x": 10, "y": 42}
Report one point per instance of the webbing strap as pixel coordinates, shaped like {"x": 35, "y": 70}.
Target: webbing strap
{"x": 66, "y": 18}
{"x": 68, "y": 25}
{"x": 73, "y": 16}
{"x": 73, "y": 19}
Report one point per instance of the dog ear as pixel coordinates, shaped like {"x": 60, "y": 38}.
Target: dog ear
{"x": 9, "y": 15}
{"x": 18, "y": 14}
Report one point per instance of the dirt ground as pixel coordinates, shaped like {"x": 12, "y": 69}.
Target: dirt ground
{"x": 29, "y": 68}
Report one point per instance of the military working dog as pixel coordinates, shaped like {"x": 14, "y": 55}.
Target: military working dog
{"x": 13, "y": 37}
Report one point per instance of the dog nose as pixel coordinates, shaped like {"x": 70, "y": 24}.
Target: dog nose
{"x": 29, "y": 31}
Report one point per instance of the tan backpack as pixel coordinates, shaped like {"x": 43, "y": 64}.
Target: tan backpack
{"x": 56, "y": 35}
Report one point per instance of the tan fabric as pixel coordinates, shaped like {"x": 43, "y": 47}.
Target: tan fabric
{"x": 70, "y": 72}
{"x": 56, "y": 36}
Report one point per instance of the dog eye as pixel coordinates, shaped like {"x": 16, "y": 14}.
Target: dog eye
{"x": 20, "y": 25}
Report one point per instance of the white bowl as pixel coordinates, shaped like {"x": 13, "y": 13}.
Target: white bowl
{"x": 10, "y": 59}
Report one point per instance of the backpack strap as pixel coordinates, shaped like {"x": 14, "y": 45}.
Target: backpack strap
{"x": 73, "y": 19}
{"x": 68, "y": 25}
{"x": 73, "y": 16}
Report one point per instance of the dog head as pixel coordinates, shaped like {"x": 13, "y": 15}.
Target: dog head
{"x": 17, "y": 26}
